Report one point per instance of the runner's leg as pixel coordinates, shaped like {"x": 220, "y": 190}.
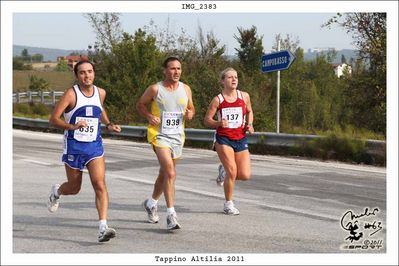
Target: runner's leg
{"x": 243, "y": 162}
{"x": 226, "y": 156}
{"x": 167, "y": 167}
{"x": 96, "y": 169}
{"x": 74, "y": 183}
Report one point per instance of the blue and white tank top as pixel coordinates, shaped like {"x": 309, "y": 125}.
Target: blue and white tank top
{"x": 84, "y": 140}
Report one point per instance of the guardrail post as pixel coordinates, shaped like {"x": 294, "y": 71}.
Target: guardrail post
{"x": 18, "y": 97}
{"x": 29, "y": 96}
{"x": 53, "y": 97}
{"x": 42, "y": 97}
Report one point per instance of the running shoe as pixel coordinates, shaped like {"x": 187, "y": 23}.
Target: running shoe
{"x": 53, "y": 201}
{"x": 230, "y": 210}
{"x": 171, "y": 221}
{"x": 151, "y": 212}
{"x": 106, "y": 234}
{"x": 221, "y": 176}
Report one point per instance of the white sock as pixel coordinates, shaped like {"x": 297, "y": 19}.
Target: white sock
{"x": 170, "y": 210}
{"x": 229, "y": 203}
{"x": 102, "y": 224}
{"x": 56, "y": 192}
{"x": 151, "y": 202}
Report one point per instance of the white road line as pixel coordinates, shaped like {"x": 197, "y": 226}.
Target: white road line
{"x": 200, "y": 153}
{"x": 210, "y": 194}
{"x": 36, "y": 162}
{"x": 219, "y": 196}
{"x": 280, "y": 160}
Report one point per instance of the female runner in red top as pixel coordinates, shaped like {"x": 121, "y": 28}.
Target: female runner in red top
{"x": 235, "y": 118}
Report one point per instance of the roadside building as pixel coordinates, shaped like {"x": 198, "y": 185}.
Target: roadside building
{"x": 72, "y": 59}
{"x": 340, "y": 69}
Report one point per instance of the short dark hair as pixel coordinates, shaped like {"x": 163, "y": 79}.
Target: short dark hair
{"x": 75, "y": 68}
{"x": 169, "y": 59}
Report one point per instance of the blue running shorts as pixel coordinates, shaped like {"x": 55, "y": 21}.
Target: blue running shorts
{"x": 79, "y": 161}
{"x": 237, "y": 145}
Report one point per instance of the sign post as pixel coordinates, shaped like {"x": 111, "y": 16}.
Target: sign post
{"x": 277, "y": 61}
{"x": 278, "y": 96}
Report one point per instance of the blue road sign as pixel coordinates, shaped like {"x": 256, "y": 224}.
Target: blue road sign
{"x": 277, "y": 61}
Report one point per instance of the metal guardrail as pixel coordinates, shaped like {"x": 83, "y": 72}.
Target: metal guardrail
{"x": 202, "y": 135}
{"x": 267, "y": 138}
{"x": 206, "y": 135}
{"x": 44, "y": 97}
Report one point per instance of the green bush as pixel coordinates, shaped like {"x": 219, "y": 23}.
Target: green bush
{"x": 38, "y": 84}
{"x": 33, "y": 110}
{"x": 20, "y": 65}
{"x": 40, "y": 109}
{"x": 22, "y": 108}
{"x": 341, "y": 148}
{"x": 62, "y": 66}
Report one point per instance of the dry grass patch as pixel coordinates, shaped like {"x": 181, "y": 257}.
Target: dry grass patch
{"x": 59, "y": 81}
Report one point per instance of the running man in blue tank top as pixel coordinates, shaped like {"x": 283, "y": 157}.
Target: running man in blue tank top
{"x": 83, "y": 110}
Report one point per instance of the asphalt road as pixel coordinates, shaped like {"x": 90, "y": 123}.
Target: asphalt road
{"x": 289, "y": 205}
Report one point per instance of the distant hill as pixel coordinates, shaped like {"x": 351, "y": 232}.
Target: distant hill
{"x": 309, "y": 56}
{"x": 49, "y": 54}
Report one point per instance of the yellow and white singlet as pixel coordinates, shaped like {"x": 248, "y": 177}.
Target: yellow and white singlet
{"x": 170, "y": 107}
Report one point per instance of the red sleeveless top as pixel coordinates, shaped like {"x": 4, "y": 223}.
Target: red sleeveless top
{"x": 234, "y": 113}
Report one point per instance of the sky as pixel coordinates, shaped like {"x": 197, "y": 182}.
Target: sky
{"x": 72, "y": 31}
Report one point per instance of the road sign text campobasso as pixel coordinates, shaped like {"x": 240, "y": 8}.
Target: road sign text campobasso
{"x": 275, "y": 61}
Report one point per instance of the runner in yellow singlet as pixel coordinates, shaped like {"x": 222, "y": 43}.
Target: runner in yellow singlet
{"x": 171, "y": 104}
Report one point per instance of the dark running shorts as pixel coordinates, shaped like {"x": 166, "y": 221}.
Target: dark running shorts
{"x": 237, "y": 145}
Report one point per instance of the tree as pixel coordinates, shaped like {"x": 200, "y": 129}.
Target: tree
{"x": 38, "y": 84}
{"x": 24, "y": 53}
{"x": 25, "y": 56}
{"x": 369, "y": 34}
{"x": 169, "y": 42}
{"x": 107, "y": 26}
{"x": 126, "y": 70}
{"x": 62, "y": 66}
{"x": 251, "y": 48}
{"x": 37, "y": 58}
{"x": 287, "y": 43}
{"x": 311, "y": 95}
{"x": 209, "y": 46}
